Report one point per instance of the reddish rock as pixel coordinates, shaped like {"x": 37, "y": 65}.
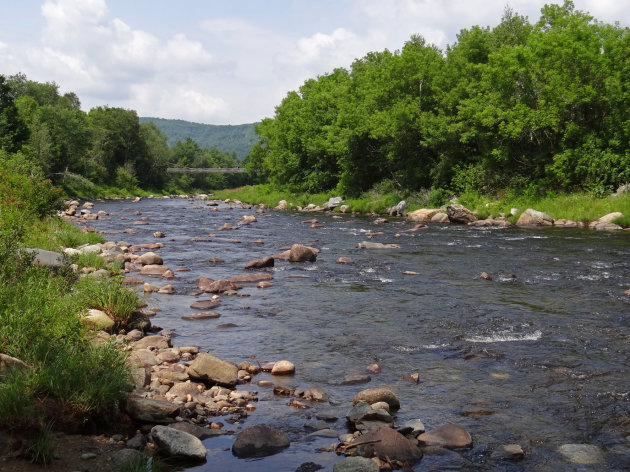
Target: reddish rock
{"x": 204, "y": 282}
{"x": 283, "y": 368}
{"x": 220, "y": 286}
{"x": 156, "y": 270}
{"x": 250, "y": 278}
{"x": 374, "y": 369}
{"x": 389, "y": 445}
{"x": 345, "y": 260}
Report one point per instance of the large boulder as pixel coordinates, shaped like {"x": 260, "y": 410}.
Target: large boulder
{"x": 459, "y": 214}
{"x": 610, "y": 217}
{"x": 531, "y": 217}
{"x": 397, "y": 210}
{"x": 41, "y": 257}
{"x": 365, "y": 418}
{"x": 387, "y": 443}
{"x": 449, "y": 436}
{"x": 375, "y": 395}
{"x": 177, "y": 444}
{"x": 210, "y": 369}
{"x": 301, "y": 253}
{"x": 150, "y": 258}
{"x": 282, "y": 205}
{"x": 332, "y": 203}
{"x": 259, "y": 440}
{"x": 149, "y": 410}
{"x": 423, "y": 214}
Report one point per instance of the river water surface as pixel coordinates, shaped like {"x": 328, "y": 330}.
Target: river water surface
{"x": 539, "y": 356}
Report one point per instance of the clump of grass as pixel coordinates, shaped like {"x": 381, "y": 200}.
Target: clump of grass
{"x": 623, "y": 221}
{"x": 16, "y": 397}
{"x": 89, "y": 260}
{"x": 110, "y": 296}
{"x": 42, "y": 449}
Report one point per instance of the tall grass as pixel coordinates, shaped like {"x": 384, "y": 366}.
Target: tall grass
{"x": 110, "y": 296}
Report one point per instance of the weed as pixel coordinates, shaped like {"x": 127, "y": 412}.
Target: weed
{"x": 42, "y": 449}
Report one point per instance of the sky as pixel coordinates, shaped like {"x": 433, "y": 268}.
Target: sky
{"x": 225, "y": 62}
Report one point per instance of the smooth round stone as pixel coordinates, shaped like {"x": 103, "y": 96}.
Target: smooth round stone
{"x": 582, "y": 453}
{"x": 283, "y": 368}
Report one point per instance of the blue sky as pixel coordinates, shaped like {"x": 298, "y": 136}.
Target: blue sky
{"x": 225, "y": 62}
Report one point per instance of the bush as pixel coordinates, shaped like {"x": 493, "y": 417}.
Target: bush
{"x": 30, "y": 195}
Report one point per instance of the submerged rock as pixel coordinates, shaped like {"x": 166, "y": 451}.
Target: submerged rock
{"x": 259, "y": 440}
{"x": 449, "y": 436}
{"x": 178, "y": 444}
{"x": 389, "y": 444}
{"x": 582, "y": 453}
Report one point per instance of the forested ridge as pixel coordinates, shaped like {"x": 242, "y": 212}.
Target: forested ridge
{"x": 238, "y": 139}
{"x": 543, "y": 104}
{"x": 46, "y": 135}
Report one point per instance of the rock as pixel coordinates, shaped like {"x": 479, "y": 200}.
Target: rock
{"x": 185, "y": 391}
{"x": 8, "y": 363}
{"x": 582, "y": 453}
{"x": 564, "y": 223}
{"x": 139, "y": 441}
{"x": 411, "y": 378}
{"x": 315, "y": 394}
{"x": 204, "y": 315}
{"x": 345, "y": 260}
{"x": 309, "y": 467}
{"x": 440, "y": 218}
{"x": 204, "y": 282}
{"x": 315, "y": 425}
{"x": 531, "y": 217}
{"x": 379, "y": 394}
{"x": 125, "y": 458}
{"x": 283, "y": 368}
{"x": 412, "y": 428}
{"x": 610, "y": 217}
{"x": 159, "y": 234}
{"x": 264, "y": 284}
{"x": 423, "y": 214}
{"x": 260, "y": 263}
{"x": 373, "y": 369}
{"x": 247, "y": 219}
{"x": 196, "y": 431}
{"x": 149, "y": 410}
{"x": 152, "y": 342}
{"x": 210, "y": 369}
{"x": 301, "y": 253}
{"x": 45, "y": 258}
{"x": 143, "y": 358}
{"x": 220, "y": 286}
{"x": 258, "y": 441}
{"x": 449, "y": 436}
{"x": 204, "y": 304}
{"x": 282, "y": 205}
{"x": 156, "y": 270}
{"x": 602, "y": 226}
{"x": 354, "y": 379}
{"x": 98, "y": 319}
{"x": 485, "y": 276}
{"x": 397, "y": 210}
{"x": 167, "y": 289}
{"x": 226, "y": 227}
{"x": 332, "y": 203}
{"x": 344, "y": 208}
{"x": 508, "y": 452}
{"x": 250, "y": 278}
{"x": 355, "y": 464}
{"x": 324, "y": 433}
{"x": 365, "y": 418}
{"x": 150, "y": 258}
{"x": 389, "y": 444}
{"x": 371, "y": 245}
{"x": 459, "y": 214}
{"x": 141, "y": 377}
{"x": 170, "y": 356}
{"x": 173, "y": 443}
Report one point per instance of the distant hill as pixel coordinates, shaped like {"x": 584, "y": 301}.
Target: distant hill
{"x": 226, "y": 138}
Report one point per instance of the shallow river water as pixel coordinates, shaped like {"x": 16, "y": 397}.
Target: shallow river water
{"x": 539, "y": 356}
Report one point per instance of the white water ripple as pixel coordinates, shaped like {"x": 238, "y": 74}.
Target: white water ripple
{"x": 506, "y": 336}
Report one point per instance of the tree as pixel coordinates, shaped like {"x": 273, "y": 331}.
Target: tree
{"x": 13, "y": 130}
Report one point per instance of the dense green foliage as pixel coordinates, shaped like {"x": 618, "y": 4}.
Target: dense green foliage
{"x": 105, "y": 151}
{"x": 237, "y": 139}
{"x": 39, "y": 322}
{"x": 520, "y": 104}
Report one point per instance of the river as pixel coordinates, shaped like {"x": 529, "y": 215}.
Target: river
{"x": 538, "y": 356}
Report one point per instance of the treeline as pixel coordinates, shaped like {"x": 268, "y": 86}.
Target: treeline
{"x": 229, "y": 138}
{"x": 520, "y": 104}
{"x": 47, "y": 135}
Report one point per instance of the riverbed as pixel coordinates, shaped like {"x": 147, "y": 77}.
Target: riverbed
{"x": 538, "y": 356}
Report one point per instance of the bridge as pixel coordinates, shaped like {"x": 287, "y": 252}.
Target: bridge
{"x": 206, "y": 170}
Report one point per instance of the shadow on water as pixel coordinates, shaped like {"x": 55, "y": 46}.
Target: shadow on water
{"x": 538, "y": 356}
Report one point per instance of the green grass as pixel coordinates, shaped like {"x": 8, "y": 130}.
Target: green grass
{"x": 110, "y": 296}
{"x": 53, "y": 233}
{"x": 41, "y": 450}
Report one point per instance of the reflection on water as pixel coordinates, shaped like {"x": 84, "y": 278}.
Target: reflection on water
{"x": 543, "y": 349}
